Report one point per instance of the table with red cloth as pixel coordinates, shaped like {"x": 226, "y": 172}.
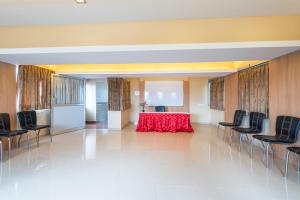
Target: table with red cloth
{"x": 164, "y": 122}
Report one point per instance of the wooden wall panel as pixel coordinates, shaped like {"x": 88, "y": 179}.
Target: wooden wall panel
{"x": 231, "y": 96}
{"x": 8, "y": 90}
{"x": 284, "y": 87}
{"x": 8, "y": 93}
{"x": 186, "y": 99}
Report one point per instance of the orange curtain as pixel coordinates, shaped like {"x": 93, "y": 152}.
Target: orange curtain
{"x": 34, "y": 87}
{"x": 253, "y": 89}
{"x": 217, "y": 93}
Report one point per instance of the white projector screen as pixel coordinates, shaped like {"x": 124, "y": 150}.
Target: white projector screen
{"x": 164, "y": 93}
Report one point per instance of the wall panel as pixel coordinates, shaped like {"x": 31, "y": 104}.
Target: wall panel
{"x": 284, "y": 95}
{"x": 8, "y": 92}
{"x": 231, "y": 96}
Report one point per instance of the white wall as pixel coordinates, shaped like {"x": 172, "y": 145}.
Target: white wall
{"x": 199, "y": 105}
{"x": 135, "y": 100}
{"x": 216, "y": 116}
{"x": 199, "y": 109}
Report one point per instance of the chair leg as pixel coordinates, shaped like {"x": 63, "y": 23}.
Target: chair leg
{"x": 217, "y": 130}
{"x": 1, "y": 150}
{"x": 267, "y": 155}
{"x": 298, "y": 166}
{"x": 9, "y": 146}
{"x": 287, "y": 163}
{"x": 251, "y": 148}
{"x": 224, "y": 134}
{"x": 240, "y": 142}
{"x": 264, "y": 149}
{"x": 231, "y": 137}
{"x": 37, "y": 138}
{"x": 298, "y": 162}
{"x": 273, "y": 152}
{"x": 28, "y": 142}
{"x": 19, "y": 141}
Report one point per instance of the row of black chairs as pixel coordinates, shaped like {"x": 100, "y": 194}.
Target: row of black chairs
{"x": 287, "y": 129}
{"x": 27, "y": 121}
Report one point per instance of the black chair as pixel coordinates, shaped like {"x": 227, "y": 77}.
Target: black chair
{"x": 287, "y": 128}
{"x": 28, "y": 121}
{"x": 160, "y": 109}
{"x": 296, "y": 151}
{"x": 6, "y": 132}
{"x": 255, "y": 127}
{"x": 237, "y": 121}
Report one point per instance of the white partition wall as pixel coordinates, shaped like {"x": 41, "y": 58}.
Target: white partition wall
{"x": 68, "y": 104}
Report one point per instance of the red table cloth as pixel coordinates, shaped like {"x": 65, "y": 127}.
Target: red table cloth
{"x": 164, "y": 122}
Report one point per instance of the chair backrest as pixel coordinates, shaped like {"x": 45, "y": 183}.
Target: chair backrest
{"x": 256, "y": 120}
{"x": 27, "y": 118}
{"x": 287, "y": 127}
{"x": 239, "y": 116}
{"x": 160, "y": 109}
{"x": 4, "y": 122}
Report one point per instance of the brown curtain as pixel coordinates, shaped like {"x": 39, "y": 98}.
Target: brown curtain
{"x": 118, "y": 94}
{"x": 126, "y": 100}
{"x": 34, "y": 87}
{"x": 253, "y": 89}
{"x": 217, "y": 93}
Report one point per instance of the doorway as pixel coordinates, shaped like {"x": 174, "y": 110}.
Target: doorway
{"x": 97, "y": 103}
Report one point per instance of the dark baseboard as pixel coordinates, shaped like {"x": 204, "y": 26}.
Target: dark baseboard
{"x": 91, "y": 122}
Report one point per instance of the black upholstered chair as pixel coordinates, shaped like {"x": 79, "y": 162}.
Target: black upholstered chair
{"x": 28, "y": 121}
{"x": 255, "y": 127}
{"x": 287, "y": 129}
{"x": 160, "y": 109}
{"x": 5, "y": 131}
{"x": 296, "y": 151}
{"x": 237, "y": 121}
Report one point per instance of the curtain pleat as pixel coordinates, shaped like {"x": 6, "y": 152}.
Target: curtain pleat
{"x": 118, "y": 94}
{"x": 34, "y": 87}
{"x": 217, "y": 93}
{"x": 68, "y": 91}
{"x": 253, "y": 89}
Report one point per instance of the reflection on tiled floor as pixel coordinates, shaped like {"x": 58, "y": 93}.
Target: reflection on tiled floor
{"x": 114, "y": 165}
{"x": 96, "y": 125}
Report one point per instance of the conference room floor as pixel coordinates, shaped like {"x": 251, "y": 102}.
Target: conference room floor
{"x": 95, "y": 164}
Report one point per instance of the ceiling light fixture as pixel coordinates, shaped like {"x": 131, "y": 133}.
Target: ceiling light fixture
{"x": 80, "y": 1}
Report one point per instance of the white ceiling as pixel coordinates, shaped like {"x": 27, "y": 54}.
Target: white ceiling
{"x": 28, "y": 12}
{"x": 179, "y": 53}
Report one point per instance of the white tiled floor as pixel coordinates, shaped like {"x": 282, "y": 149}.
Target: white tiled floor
{"x": 91, "y": 164}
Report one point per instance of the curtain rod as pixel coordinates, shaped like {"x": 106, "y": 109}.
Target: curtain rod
{"x": 216, "y": 78}
{"x": 247, "y": 68}
{"x": 253, "y": 66}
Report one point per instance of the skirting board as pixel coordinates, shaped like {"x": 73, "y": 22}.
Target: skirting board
{"x": 67, "y": 130}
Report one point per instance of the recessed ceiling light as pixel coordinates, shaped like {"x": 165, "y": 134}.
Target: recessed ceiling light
{"x": 81, "y": 1}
